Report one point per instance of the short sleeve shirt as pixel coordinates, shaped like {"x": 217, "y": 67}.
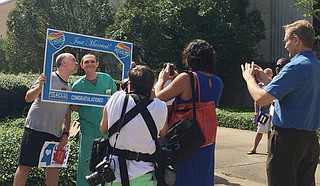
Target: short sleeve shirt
{"x": 297, "y": 92}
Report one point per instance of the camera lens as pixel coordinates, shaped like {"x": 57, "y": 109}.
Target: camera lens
{"x": 103, "y": 174}
{"x": 95, "y": 179}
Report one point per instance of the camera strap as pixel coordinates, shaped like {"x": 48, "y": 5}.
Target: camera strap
{"x": 116, "y": 127}
{"x": 129, "y": 155}
{"x": 126, "y": 117}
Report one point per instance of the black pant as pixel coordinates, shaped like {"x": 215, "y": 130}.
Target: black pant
{"x": 293, "y": 157}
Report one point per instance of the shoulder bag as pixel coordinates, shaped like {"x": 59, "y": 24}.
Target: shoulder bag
{"x": 206, "y": 114}
{"x": 184, "y": 135}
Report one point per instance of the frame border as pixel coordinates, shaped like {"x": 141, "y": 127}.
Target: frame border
{"x": 56, "y": 40}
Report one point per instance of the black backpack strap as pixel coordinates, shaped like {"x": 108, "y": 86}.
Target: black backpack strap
{"x": 116, "y": 127}
{"x": 147, "y": 118}
{"x": 138, "y": 156}
{"x": 123, "y": 171}
{"x": 131, "y": 155}
{"x": 128, "y": 116}
{"x": 159, "y": 164}
{"x": 123, "y": 112}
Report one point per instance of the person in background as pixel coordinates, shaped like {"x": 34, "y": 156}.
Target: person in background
{"x": 280, "y": 63}
{"x": 200, "y": 57}
{"x": 133, "y": 64}
{"x": 125, "y": 81}
{"x": 262, "y": 128}
{"x": 135, "y": 135}
{"x": 45, "y": 122}
{"x": 294, "y": 149}
{"x": 90, "y": 116}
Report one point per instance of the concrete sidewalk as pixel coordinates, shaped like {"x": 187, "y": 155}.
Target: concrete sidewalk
{"x": 232, "y": 164}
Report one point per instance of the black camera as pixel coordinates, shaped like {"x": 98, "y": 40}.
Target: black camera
{"x": 103, "y": 174}
{"x": 171, "y": 68}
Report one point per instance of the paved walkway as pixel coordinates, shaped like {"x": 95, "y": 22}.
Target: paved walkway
{"x": 234, "y": 167}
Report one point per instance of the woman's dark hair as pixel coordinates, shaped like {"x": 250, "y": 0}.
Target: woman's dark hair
{"x": 141, "y": 79}
{"x": 199, "y": 55}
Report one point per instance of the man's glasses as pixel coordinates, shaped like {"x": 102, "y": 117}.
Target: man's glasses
{"x": 290, "y": 38}
{"x": 279, "y": 66}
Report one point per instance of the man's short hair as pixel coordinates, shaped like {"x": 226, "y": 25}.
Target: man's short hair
{"x": 141, "y": 79}
{"x": 304, "y": 30}
{"x": 60, "y": 58}
{"x": 82, "y": 59}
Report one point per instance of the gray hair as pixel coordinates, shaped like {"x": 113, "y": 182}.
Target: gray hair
{"x": 60, "y": 58}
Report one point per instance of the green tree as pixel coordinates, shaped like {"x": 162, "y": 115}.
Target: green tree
{"x": 312, "y": 8}
{"x": 160, "y": 29}
{"x": 3, "y": 60}
{"x": 28, "y": 22}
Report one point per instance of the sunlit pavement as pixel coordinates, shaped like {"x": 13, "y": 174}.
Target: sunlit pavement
{"x": 232, "y": 164}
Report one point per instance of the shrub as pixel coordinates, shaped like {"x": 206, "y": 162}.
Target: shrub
{"x": 238, "y": 120}
{"x": 12, "y": 92}
{"x": 10, "y": 137}
{"x": 13, "y": 89}
{"x": 11, "y": 132}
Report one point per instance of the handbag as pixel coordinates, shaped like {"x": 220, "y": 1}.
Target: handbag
{"x": 183, "y": 137}
{"x": 206, "y": 114}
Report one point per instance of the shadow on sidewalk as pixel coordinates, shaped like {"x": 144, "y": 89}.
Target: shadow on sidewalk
{"x": 258, "y": 153}
{"x": 219, "y": 180}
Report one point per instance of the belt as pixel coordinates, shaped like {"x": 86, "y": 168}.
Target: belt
{"x": 280, "y": 129}
{"x": 130, "y": 155}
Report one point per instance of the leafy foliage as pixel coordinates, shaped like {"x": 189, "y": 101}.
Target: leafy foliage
{"x": 309, "y": 6}
{"x": 28, "y": 21}
{"x": 3, "y": 61}
{"x": 9, "y": 140}
{"x": 312, "y": 8}
{"x": 11, "y": 132}
{"x": 12, "y": 92}
{"x": 161, "y": 29}
{"x": 235, "y": 119}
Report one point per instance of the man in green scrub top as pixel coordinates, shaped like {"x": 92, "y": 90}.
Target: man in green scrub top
{"x": 90, "y": 117}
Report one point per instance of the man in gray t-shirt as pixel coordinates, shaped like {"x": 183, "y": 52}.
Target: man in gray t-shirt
{"x": 45, "y": 121}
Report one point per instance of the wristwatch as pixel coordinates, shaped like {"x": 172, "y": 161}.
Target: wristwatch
{"x": 65, "y": 133}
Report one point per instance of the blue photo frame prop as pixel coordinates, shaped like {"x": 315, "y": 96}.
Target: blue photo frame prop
{"x": 57, "y": 40}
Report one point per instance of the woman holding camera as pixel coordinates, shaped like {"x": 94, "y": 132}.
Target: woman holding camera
{"x": 199, "y": 56}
